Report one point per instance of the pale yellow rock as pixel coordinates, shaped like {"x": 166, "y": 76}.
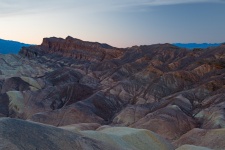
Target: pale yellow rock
{"x": 81, "y": 126}
{"x": 192, "y": 147}
{"x": 130, "y": 138}
{"x": 16, "y": 101}
{"x": 203, "y": 69}
{"x": 32, "y": 82}
{"x": 33, "y": 88}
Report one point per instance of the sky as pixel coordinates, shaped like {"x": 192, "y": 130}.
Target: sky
{"x": 120, "y": 23}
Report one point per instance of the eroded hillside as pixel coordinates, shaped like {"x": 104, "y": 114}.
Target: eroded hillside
{"x": 70, "y": 83}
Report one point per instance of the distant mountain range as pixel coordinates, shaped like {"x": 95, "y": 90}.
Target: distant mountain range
{"x": 196, "y": 45}
{"x": 10, "y": 47}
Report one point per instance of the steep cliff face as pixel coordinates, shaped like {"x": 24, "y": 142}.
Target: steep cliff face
{"x": 160, "y": 87}
{"x": 75, "y": 48}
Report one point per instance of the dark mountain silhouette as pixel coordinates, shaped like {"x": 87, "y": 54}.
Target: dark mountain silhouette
{"x": 196, "y": 45}
{"x": 10, "y": 47}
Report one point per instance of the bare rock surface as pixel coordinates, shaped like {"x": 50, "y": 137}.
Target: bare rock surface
{"x": 192, "y": 147}
{"x": 18, "y": 134}
{"x": 213, "y": 138}
{"x": 129, "y": 138}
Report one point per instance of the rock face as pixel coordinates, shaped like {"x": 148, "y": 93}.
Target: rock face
{"x": 75, "y": 48}
{"x": 201, "y": 137}
{"x": 129, "y": 138}
{"x": 18, "y": 134}
{"x": 161, "y": 88}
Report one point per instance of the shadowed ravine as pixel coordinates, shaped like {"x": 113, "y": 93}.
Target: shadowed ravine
{"x": 86, "y": 95}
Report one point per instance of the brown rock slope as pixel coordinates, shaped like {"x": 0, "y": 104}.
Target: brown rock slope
{"x": 213, "y": 138}
{"x": 161, "y": 87}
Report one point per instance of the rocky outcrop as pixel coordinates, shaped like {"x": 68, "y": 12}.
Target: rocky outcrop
{"x": 75, "y": 48}
{"x": 206, "y": 138}
{"x": 17, "y": 134}
{"x": 16, "y": 66}
{"x": 129, "y": 138}
{"x": 169, "y": 122}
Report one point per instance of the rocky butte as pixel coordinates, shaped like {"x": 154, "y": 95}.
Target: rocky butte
{"x": 72, "y": 94}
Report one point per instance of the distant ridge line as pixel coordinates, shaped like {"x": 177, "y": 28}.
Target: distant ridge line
{"x": 11, "y": 47}
{"x": 196, "y": 45}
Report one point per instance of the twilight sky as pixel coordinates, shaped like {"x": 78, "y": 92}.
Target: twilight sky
{"x": 120, "y": 23}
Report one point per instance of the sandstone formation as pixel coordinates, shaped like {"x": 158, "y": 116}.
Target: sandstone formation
{"x": 69, "y": 83}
